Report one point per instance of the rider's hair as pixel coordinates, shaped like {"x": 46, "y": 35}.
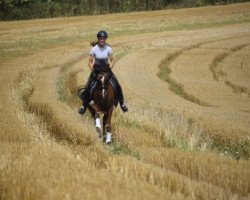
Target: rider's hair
{"x": 93, "y": 43}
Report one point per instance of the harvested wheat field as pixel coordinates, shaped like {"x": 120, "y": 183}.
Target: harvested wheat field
{"x": 186, "y": 78}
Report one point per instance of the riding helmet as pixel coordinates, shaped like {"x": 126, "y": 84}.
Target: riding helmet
{"x": 102, "y": 34}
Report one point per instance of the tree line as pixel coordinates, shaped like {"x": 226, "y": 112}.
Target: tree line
{"x": 31, "y": 9}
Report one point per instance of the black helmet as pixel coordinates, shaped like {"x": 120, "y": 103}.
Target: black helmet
{"x": 102, "y": 34}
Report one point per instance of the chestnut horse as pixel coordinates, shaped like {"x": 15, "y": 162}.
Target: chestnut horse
{"x": 104, "y": 102}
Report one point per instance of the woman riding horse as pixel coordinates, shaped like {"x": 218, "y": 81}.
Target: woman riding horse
{"x": 100, "y": 54}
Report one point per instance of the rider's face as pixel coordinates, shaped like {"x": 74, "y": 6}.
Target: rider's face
{"x": 102, "y": 40}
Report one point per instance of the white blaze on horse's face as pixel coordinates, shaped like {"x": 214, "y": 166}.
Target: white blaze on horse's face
{"x": 103, "y": 87}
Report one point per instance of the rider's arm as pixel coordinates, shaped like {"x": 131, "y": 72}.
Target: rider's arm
{"x": 91, "y": 62}
{"x": 112, "y": 61}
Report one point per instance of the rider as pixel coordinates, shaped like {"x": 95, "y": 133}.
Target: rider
{"x": 98, "y": 60}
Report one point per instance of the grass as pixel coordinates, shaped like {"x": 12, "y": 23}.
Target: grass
{"x": 233, "y": 147}
{"x": 61, "y": 89}
{"x": 216, "y": 70}
{"x": 189, "y": 136}
{"x": 117, "y": 149}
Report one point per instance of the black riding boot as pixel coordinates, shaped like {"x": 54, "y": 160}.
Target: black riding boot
{"x": 86, "y": 94}
{"x": 85, "y": 104}
{"x": 119, "y": 93}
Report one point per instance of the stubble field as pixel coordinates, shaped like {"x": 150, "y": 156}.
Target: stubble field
{"x": 186, "y": 79}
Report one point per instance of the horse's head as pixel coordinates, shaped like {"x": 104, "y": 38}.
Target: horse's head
{"x": 103, "y": 79}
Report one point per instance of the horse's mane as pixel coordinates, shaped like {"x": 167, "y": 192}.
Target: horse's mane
{"x": 93, "y": 43}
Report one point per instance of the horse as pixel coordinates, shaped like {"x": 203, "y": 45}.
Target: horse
{"x": 104, "y": 102}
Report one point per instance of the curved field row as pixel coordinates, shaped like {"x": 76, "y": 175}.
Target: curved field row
{"x": 235, "y": 70}
{"x": 139, "y": 77}
{"x": 166, "y": 147}
{"x": 192, "y": 70}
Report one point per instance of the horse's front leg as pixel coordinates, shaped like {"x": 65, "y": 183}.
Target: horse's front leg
{"x": 98, "y": 124}
{"x": 104, "y": 125}
{"x": 107, "y": 126}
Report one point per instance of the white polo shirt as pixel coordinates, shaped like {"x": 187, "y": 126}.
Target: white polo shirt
{"x": 101, "y": 54}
